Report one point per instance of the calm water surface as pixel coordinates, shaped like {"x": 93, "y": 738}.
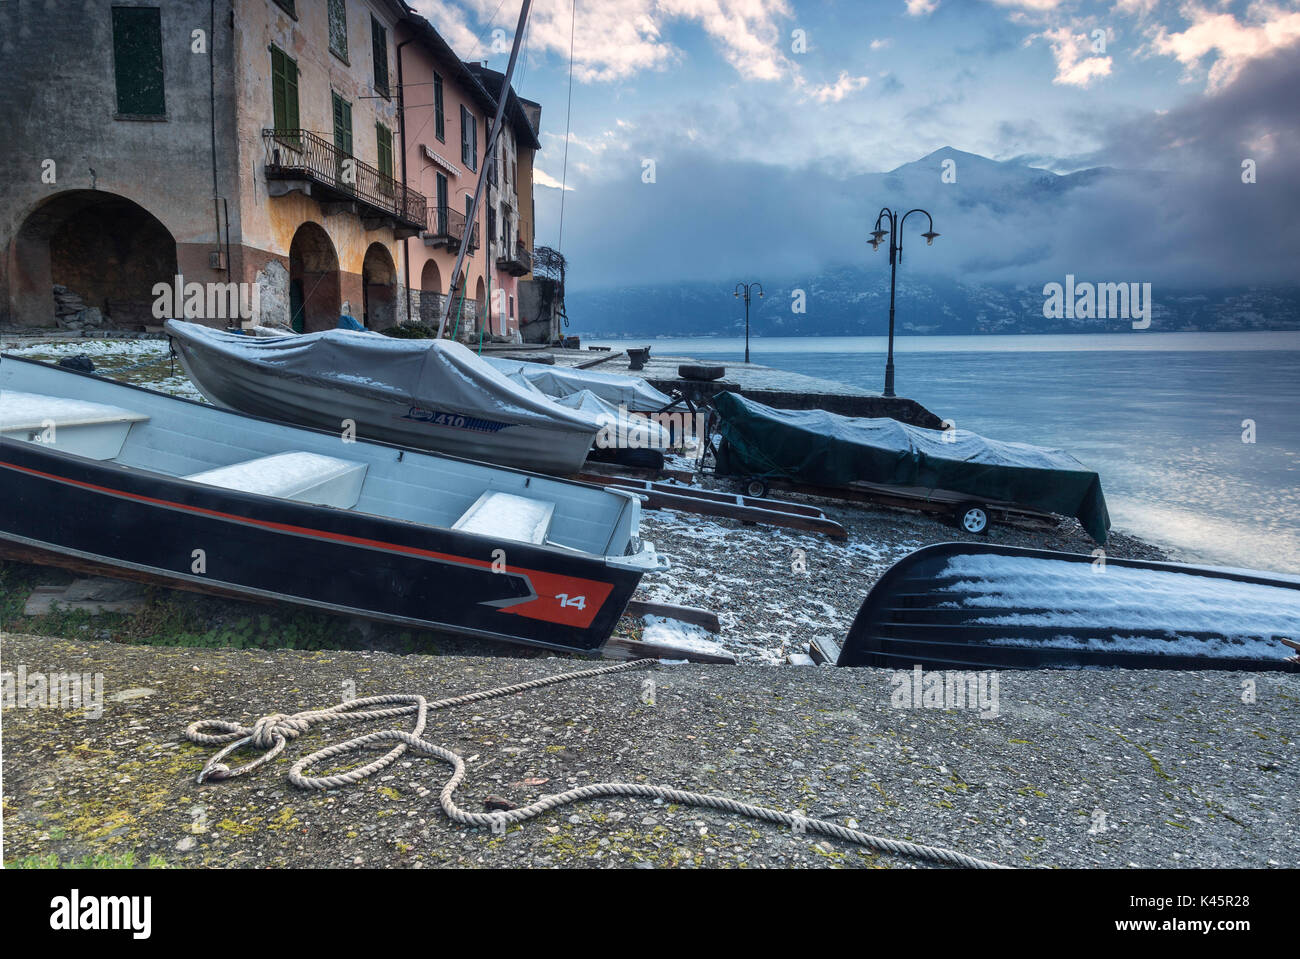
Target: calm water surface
{"x": 1159, "y": 416}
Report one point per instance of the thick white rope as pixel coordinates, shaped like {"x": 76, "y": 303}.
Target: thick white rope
{"x": 272, "y": 733}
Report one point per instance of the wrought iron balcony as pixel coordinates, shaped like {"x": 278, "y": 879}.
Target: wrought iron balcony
{"x": 446, "y": 227}
{"x": 518, "y": 263}
{"x": 338, "y": 176}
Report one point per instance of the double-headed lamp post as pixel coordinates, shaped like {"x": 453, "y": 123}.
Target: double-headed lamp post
{"x": 895, "y": 234}
{"x": 743, "y": 289}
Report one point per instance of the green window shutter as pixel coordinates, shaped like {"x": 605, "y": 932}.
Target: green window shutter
{"x": 338, "y": 26}
{"x": 442, "y": 204}
{"x": 138, "y": 61}
{"x": 379, "y": 36}
{"x": 438, "y": 120}
{"x": 284, "y": 90}
{"x": 385, "y": 138}
{"x": 464, "y": 135}
{"x": 342, "y": 125}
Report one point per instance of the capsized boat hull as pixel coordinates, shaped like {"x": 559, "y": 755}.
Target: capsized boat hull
{"x": 968, "y": 606}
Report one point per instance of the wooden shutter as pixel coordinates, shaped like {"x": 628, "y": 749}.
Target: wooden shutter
{"x": 438, "y": 120}
{"x": 464, "y": 135}
{"x": 138, "y": 61}
{"x": 379, "y": 36}
{"x": 284, "y": 90}
{"x": 385, "y": 151}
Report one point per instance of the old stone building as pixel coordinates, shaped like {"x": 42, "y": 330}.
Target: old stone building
{"x": 295, "y": 148}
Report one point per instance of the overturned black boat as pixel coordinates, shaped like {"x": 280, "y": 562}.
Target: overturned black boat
{"x": 105, "y": 477}
{"x": 966, "y": 606}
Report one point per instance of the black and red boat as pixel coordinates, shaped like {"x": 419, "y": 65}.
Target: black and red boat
{"x": 106, "y": 477}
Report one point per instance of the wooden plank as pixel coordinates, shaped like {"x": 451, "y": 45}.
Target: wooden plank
{"x": 687, "y": 614}
{"x": 823, "y": 650}
{"x": 659, "y": 499}
{"x": 621, "y": 648}
{"x": 603, "y": 358}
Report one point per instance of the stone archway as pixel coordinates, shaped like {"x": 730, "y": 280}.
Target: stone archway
{"x": 378, "y": 288}
{"x": 315, "y": 301}
{"x": 480, "y": 306}
{"x": 87, "y": 258}
{"x": 431, "y": 294}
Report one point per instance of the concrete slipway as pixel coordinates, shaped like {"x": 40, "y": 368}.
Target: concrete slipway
{"x": 1078, "y": 769}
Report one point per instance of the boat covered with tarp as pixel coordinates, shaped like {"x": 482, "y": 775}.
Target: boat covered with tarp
{"x": 428, "y": 394}
{"x": 559, "y": 382}
{"x": 830, "y": 450}
{"x": 980, "y": 605}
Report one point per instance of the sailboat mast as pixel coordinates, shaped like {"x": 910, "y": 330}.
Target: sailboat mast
{"x": 482, "y": 174}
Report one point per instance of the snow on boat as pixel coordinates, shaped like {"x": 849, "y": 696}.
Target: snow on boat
{"x": 829, "y": 450}
{"x": 427, "y": 394}
{"x": 975, "y": 605}
{"x": 111, "y": 478}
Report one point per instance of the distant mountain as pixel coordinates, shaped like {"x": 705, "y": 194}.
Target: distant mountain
{"x": 851, "y": 302}
{"x": 997, "y": 219}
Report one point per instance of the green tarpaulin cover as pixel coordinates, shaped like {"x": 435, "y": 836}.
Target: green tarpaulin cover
{"x": 825, "y": 449}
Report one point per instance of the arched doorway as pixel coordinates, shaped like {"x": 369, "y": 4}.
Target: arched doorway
{"x": 314, "y": 298}
{"x": 89, "y": 258}
{"x": 480, "y": 305}
{"x": 431, "y": 302}
{"x": 378, "y": 288}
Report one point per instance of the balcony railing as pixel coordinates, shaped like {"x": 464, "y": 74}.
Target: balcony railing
{"x": 518, "y": 263}
{"x": 446, "y": 226}
{"x": 301, "y": 154}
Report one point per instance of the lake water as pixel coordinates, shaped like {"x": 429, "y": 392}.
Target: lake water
{"x": 1159, "y": 416}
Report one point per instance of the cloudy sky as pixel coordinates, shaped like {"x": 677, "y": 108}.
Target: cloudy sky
{"x": 769, "y": 123}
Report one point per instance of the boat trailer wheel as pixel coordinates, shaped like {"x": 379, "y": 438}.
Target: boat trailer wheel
{"x": 756, "y": 488}
{"x": 973, "y": 518}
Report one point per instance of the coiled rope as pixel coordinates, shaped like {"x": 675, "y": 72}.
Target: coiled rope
{"x": 273, "y": 732}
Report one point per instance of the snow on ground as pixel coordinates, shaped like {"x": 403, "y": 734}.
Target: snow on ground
{"x": 113, "y": 357}
{"x": 773, "y": 589}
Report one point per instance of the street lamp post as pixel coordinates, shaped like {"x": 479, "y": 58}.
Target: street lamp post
{"x": 895, "y": 234}
{"x": 744, "y": 288}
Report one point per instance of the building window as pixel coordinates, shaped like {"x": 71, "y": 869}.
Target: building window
{"x": 379, "y": 39}
{"x": 468, "y": 139}
{"x": 342, "y": 125}
{"x": 338, "y": 16}
{"x": 439, "y": 120}
{"x": 138, "y": 61}
{"x": 284, "y": 90}
{"x": 385, "y": 138}
{"x": 442, "y": 205}
{"x": 287, "y": 6}
{"x": 512, "y": 307}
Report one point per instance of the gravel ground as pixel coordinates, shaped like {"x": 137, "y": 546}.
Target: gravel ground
{"x": 775, "y": 589}
{"x": 1161, "y": 769}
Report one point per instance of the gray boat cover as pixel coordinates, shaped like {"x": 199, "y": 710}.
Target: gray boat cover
{"x": 631, "y": 392}
{"x": 386, "y": 368}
